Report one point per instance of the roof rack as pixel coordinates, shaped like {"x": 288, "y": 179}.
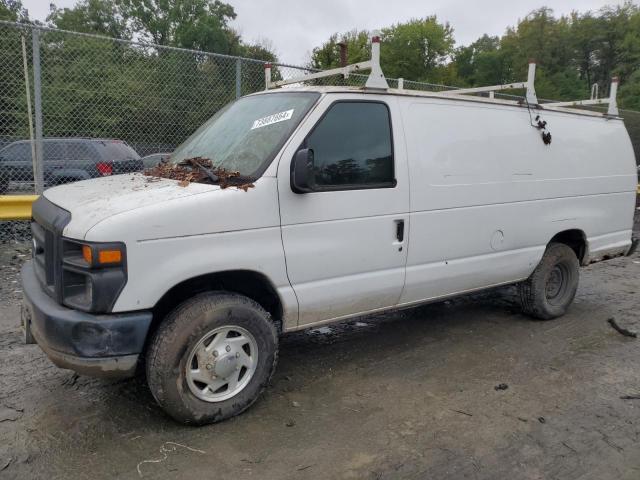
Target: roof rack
{"x": 594, "y": 100}
{"x": 376, "y": 78}
{"x": 377, "y": 81}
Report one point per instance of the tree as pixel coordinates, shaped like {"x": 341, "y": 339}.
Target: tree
{"x": 585, "y": 39}
{"x": 12, "y": 11}
{"x": 196, "y": 24}
{"x": 193, "y": 24}
{"x": 91, "y": 16}
{"x": 572, "y": 52}
{"x": 151, "y": 97}
{"x": 13, "y": 118}
{"x": 327, "y": 56}
{"x": 629, "y": 94}
{"x": 417, "y": 49}
{"x": 481, "y": 63}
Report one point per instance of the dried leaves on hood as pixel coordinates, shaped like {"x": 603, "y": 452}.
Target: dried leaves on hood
{"x": 195, "y": 170}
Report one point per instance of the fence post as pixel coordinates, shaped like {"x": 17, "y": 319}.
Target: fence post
{"x": 27, "y": 87}
{"x": 38, "y": 174}
{"x": 238, "y": 78}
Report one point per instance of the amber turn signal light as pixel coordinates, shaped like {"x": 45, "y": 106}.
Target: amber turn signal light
{"x": 87, "y": 254}
{"x": 109, "y": 256}
{"x": 104, "y": 256}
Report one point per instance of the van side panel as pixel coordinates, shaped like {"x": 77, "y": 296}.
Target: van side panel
{"x": 487, "y": 194}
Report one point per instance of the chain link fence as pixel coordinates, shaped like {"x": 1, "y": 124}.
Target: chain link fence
{"x": 75, "y": 106}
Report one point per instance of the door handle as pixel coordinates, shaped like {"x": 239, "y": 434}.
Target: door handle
{"x": 400, "y": 230}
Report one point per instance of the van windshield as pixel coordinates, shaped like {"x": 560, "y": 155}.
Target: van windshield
{"x": 244, "y": 136}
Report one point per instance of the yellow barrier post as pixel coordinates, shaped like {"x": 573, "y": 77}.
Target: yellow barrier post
{"x": 16, "y": 207}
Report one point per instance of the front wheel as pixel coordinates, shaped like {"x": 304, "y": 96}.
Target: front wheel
{"x": 212, "y": 357}
{"x": 550, "y": 289}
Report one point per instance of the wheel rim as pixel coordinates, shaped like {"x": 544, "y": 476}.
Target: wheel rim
{"x": 557, "y": 284}
{"x": 222, "y": 363}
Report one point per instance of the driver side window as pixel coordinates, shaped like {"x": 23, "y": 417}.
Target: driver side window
{"x": 352, "y": 147}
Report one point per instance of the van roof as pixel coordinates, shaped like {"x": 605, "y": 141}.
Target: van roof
{"x": 427, "y": 94}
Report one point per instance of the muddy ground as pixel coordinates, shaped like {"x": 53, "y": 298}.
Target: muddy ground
{"x": 405, "y": 395}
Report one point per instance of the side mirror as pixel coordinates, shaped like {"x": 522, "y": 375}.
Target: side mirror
{"x": 302, "y": 171}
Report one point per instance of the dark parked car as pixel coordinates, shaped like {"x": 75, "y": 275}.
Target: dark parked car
{"x": 68, "y": 160}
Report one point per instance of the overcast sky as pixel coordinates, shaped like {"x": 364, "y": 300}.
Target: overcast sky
{"x": 294, "y": 27}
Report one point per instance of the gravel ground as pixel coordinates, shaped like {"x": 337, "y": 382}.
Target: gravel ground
{"x": 468, "y": 388}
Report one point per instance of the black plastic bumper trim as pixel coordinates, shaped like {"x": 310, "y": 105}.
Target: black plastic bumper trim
{"x": 77, "y": 338}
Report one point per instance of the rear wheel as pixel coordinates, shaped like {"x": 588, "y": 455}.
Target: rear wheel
{"x": 212, "y": 357}
{"x": 552, "y": 286}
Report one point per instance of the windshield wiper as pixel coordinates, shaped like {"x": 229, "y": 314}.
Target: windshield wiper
{"x": 212, "y": 176}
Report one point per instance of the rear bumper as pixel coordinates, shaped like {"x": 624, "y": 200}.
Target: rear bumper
{"x": 96, "y": 345}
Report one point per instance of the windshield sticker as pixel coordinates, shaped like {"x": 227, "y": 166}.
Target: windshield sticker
{"x": 271, "y": 119}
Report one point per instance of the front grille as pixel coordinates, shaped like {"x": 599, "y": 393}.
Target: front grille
{"x": 48, "y": 223}
{"x": 43, "y": 256}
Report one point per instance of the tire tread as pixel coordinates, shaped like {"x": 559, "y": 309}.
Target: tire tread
{"x": 532, "y": 291}
{"x": 166, "y": 334}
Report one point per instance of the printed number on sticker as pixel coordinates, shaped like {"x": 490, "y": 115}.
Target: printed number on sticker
{"x": 275, "y": 118}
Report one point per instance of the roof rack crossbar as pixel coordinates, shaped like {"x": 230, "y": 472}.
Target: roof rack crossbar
{"x": 529, "y": 85}
{"x": 376, "y": 77}
{"x": 491, "y": 88}
{"x": 613, "y": 104}
{"x": 345, "y": 71}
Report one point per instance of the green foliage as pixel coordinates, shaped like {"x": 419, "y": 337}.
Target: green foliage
{"x": 327, "y": 56}
{"x": 151, "y": 97}
{"x": 632, "y": 122}
{"x": 91, "y": 16}
{"x": 481, "y": 63}
{"x": 573, "y": 52}
{"x": 193, "y": 24}
{"x": 415, "y": 50}
{"x": 196, "y": 24}
{"x": 13, "y": 105}
{"x": 629, "y": 92}
{"x": 12, "y": 11}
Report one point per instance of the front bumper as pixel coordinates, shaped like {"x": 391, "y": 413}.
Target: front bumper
{"x": 96, "y": 345}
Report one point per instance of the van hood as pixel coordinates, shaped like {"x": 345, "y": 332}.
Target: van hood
{"x": 91, "y": 201}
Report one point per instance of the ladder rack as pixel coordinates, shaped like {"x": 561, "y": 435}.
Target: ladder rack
{"x": 377, "y": 81}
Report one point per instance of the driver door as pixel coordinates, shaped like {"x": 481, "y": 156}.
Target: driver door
{"x": 345, "y": 242}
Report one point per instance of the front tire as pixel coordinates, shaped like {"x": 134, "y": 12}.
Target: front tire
{"x": 552, "y": 286}
{"x": 212, "y": 357}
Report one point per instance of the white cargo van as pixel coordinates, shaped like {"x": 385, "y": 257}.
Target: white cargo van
{"x": 353, "y": 200}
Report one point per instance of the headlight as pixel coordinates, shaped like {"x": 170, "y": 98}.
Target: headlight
{"x": 93, "y": 274}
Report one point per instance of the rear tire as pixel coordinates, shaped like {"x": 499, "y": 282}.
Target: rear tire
{"x": 210, "y": 339}
{"x": 552, "y": 286}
